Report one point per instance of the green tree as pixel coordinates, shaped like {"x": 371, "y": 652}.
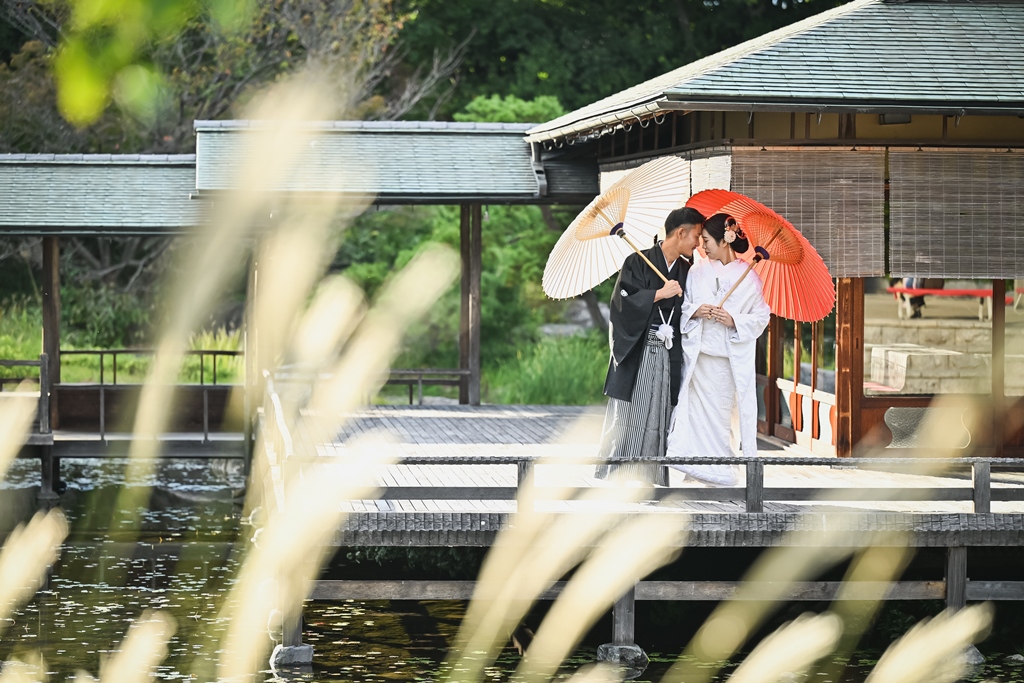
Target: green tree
{"x": 583, "y": 50}
{"x": 511, "y": 109}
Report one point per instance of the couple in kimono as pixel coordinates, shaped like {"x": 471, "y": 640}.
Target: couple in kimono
{"x": 681, "y": 365}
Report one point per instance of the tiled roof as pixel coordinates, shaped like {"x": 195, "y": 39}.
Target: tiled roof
{"x": 398, "y": 161}
{"x": 868, "y": 55}
{"x": 97, "y": 193}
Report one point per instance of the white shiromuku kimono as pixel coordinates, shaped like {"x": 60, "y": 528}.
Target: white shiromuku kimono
{"x": 718, "y": 370}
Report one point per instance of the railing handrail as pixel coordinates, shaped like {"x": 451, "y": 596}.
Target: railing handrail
{"x": 149, "y": 352}
{"x": 43, "y": 411}
{"x": 20, "y": 363}
{"x": 562, "y": 460}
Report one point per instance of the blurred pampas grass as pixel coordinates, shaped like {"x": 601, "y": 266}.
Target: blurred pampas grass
{"x": 341, "y": 346}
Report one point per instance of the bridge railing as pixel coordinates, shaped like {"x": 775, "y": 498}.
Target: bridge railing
{"x": 279, "y": 448}
{"x": 754, "y": 494}
{"x": 43, "y": 412}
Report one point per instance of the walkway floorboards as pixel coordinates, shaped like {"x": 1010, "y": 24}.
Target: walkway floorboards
{"x": 539, "y": 431}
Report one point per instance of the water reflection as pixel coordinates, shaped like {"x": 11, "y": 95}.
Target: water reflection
{"x": 185, "y": 565}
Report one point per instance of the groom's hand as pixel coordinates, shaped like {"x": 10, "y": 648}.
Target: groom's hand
{"x": 670, "y": 290}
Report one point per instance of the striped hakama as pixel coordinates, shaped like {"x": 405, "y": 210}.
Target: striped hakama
{"x": 638, "y": 429}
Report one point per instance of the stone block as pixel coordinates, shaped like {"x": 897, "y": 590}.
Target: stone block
{"x": 631, "y": 657}
{"x": 971, "y": 656}
{"x": 1014, "y": 341}
{"x": 959, "y": 385}
{"x": 921, "y": 385}
{"x": 292, "y": 655}
{"x": 973, "y": 340}
{"x": 938, "y": 337}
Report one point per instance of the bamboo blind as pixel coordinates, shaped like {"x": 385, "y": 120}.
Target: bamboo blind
{"x": 956, "y": 213}
{"x": 836, "y": 198}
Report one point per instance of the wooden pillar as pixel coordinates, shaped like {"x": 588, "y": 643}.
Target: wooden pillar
{"x": 998, "y": 366}
{"x": 796, "y": 408}
{"x": 624, "y": 619}
{"x": 817, "y": 337}
{"x": 956, "y": 578}
{"x": 253, "y": 377}
{"x": 849, "y": 363}
{"x": 51, "y": 315}
{"x": 464, "y": 301}
{"x": 475, "y": 270}
{"x": 773, "y": 372}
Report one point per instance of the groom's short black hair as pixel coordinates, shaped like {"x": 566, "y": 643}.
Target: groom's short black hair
{"x": 683, "y": 216}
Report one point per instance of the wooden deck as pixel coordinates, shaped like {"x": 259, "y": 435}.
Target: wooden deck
{"x": 461, "y": 468}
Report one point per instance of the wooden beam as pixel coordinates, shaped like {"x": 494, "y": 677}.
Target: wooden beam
{"x": 998, "y": 366}
{"x": 685, "y": 591}
{"x": 51, "y": 305}
{"x": 475, "y": 270}
{"x": 754, "y": 494}
{"x": 624, "y": 618}
{"x": 755, "y": 486}
{"x": 464, "y": 301}
{"x": 773, "y": 372}
{"x": 956, "y": 578}
{"x": 995, "y": 590}
{"x": 849, "y": 364}
{"x": 51, "y": 320}
{"x": 981, "y": 475}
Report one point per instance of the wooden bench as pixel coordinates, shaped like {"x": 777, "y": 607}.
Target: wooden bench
{"x": 984, "y": 297}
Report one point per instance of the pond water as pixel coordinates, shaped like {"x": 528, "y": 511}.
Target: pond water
{"x": 184, "y": 562}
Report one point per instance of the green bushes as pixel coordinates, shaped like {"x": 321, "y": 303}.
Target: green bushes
{"x": 21, "y": 339}
{"x": 557, "y": 371}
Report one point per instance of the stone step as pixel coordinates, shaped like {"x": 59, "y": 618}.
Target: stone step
{"x": 916, "y": 369}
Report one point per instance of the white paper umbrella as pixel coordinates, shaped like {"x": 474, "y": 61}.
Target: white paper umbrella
{"x": 590, "y": 250}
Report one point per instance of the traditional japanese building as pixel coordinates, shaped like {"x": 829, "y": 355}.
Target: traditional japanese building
{"x": 891, "y": 133}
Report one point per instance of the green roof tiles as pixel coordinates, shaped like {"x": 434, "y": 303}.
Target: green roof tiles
{"x": 415, "y": 161}
{"x": 97, "y": 193}
{"x": 868, "y": 55}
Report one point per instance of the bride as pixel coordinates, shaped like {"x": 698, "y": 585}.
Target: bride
{"x": 718, "y": 347}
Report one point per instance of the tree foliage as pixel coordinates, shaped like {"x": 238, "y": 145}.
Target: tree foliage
{"x": 511, "y": 109}
{"x": 583, "y": 50}
{"x": 135, "y": 90}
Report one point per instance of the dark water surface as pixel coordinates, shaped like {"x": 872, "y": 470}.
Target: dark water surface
{"x": 184, "y": 561}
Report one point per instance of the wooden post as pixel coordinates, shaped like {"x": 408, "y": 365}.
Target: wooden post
{"x": 773, "y": 372}
{"x": 796, "y": 410}
{"x": 956, "y": 578}
{"x": 755, "y": 486}
{"x": 291, "y": 635}
{"x": 475, "y": 270}
{"x": 849, "y": 363}
{"x": 816, "y": 342}
{"x": 253, "y": 376}
{"x": 998, "y": 366}
{"x": 464, "y": 302}
{"x": 624, "y": 619}
{"x": 981, "y": 476}
{"x": 51, "y": 315}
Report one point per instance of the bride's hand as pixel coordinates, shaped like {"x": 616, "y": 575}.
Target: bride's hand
{"x": 703, "y": 311}
{"x": 720, "y": 315}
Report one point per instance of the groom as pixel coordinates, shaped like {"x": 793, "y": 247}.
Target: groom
{"x": 645, "y": 367}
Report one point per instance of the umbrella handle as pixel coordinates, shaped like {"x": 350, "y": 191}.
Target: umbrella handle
{"x": 753, "y": 262}
{"x": 733, "y": 288}
{"x": 622, "y": 233}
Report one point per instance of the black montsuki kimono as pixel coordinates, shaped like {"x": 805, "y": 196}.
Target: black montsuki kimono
{"x": 633, "y": 312}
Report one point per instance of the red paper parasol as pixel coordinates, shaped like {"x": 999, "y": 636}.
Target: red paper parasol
{"x": 797, "y": 284}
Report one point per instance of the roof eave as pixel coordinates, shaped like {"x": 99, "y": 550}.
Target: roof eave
{"x": 843, "y": 106}
{"x": 210, "y": 194}
{"x": 622, "y": 117}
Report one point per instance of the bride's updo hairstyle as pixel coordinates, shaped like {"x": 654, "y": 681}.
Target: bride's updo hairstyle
{"x": 721, "y": 226}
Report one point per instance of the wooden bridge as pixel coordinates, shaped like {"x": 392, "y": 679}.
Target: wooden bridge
{"x": 460, "y": 469}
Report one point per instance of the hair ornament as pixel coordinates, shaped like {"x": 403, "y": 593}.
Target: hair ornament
{"x": 732, "y": 230}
